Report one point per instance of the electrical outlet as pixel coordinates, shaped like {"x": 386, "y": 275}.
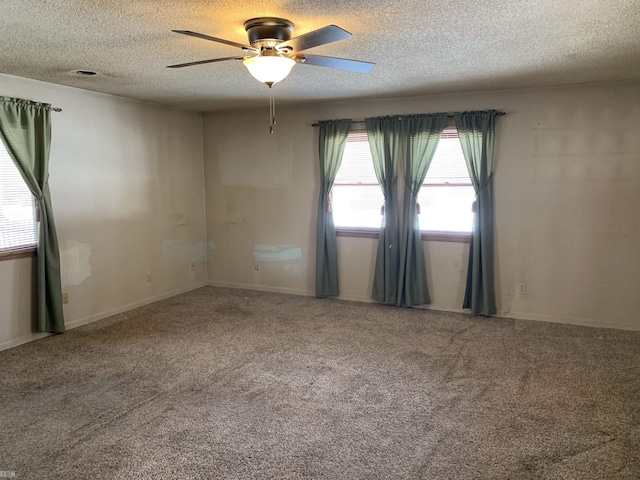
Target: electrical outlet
{"x": 256, "y": 267}
{"x": 522, "y": 289}
{"x": 193, "y": 266}
{"x": 65, "y": 298}
{"x": 148, "y": 277}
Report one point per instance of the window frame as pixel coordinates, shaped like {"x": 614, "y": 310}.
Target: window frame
{"x": 426, "y": 235}
{"x": 355, "y": 231}
{"x": 17, "y": 253}
{"x": 22, "y": 251}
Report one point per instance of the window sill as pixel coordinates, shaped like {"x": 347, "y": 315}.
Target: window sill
{"x": 455, "y": 237}
{"x": 15, "y": 254}
{"x": 358, "y": 232}
{"x": 430, "y": 236}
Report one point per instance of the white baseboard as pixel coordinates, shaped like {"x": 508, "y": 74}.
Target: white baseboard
{"x": 94, "y": 318}
{"x": 260, "y": 288}
{"x": 584, "y": 322}
{"x": 348, "y": 298}
{"x": 99, "y": 316}
{"x": 23, "y": 340}
{"x": 355, "y": 298}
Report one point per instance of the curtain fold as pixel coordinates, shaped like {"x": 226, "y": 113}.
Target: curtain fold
{"x": 25, "y": 130}
{"x": 476, "y": 131}
{"x": 332, "y": 141}
{"x": 420, "y": 137}
{"x": 384, "y": 142}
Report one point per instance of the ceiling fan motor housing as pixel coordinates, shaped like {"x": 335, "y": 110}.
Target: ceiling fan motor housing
{"x": 268, "y": 31}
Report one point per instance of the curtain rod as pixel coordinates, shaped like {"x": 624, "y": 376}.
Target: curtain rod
{"x": 18, "y": 100}
{"x": 362, "y": 121}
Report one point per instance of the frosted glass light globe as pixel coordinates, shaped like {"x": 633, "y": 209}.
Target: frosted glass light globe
{"x": 269, "y": 69}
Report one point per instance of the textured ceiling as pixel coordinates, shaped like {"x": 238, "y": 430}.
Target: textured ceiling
{"x": 418, "y": 46}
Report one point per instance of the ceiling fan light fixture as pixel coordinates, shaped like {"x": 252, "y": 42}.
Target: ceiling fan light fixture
{"x": 269, "y": 69}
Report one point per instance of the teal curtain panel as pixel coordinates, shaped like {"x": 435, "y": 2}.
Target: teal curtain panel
{"x": 476, "y": 131}
{"x": 332, "y": 142}
{"x": 420, "y": 137}
{"x": 25, "y": 130}
{"x": 384, "y": 142}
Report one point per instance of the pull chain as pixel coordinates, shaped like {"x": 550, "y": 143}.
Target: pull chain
{"x": 272, "y": 108}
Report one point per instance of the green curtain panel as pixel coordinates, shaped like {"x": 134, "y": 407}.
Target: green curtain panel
{"x": 420, "y": 137}
{"x": 477, "y": 135}
{"x": 384, "y": 142}
{"x": 25, "y": 130}
{"x": 332, "y": 141}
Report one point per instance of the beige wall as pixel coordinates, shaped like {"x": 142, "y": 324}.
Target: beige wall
{"x": 567, "y": 188}
{"x": 128, "y": 198}
{"x": 126, "y": 182}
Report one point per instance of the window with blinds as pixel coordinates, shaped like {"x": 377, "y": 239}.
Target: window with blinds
{"x": 447, "y": 196}
{"x": 445, "y": 199}
{"x": 18, "y": 228}
{"x": 356, "y": 197}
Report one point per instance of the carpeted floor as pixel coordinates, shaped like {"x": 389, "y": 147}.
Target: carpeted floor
{"x": 233, "y": 384}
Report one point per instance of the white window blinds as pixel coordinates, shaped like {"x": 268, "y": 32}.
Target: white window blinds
{"x": 448, "y": 165}
{"x": 356, "y": 197}
{"x": 357, "y": 165}
{"x": 447, "y": 195}
{"x": 445, "y": 198}
{"x": 18, "y": 228}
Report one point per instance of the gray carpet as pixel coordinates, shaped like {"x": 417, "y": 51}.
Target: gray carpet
{"x": 233, "y": 384}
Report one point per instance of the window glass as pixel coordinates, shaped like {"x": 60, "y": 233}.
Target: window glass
{"x": 356, "y": 197}
{"x": 445, "y": 199}
{"x": 17, "y": 208}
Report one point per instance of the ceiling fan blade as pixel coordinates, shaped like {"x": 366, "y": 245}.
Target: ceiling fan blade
{"x": 201, "y": 62}
{"x": 215, "y": 39}
{"x": 339, "y": 63}
{"x": 328, "y": 34}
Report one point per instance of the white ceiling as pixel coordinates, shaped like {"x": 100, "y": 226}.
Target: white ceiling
{"x": 418, "y": 46}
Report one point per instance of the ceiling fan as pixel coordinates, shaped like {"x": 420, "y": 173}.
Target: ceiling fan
{"x": 272, "y": 52}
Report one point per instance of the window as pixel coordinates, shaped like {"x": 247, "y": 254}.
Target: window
{"x": 447, "y": 196}
{"x": 445, "y": 199}
{"x": 356, "y": 196}
{"x": 18, "y": 229}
